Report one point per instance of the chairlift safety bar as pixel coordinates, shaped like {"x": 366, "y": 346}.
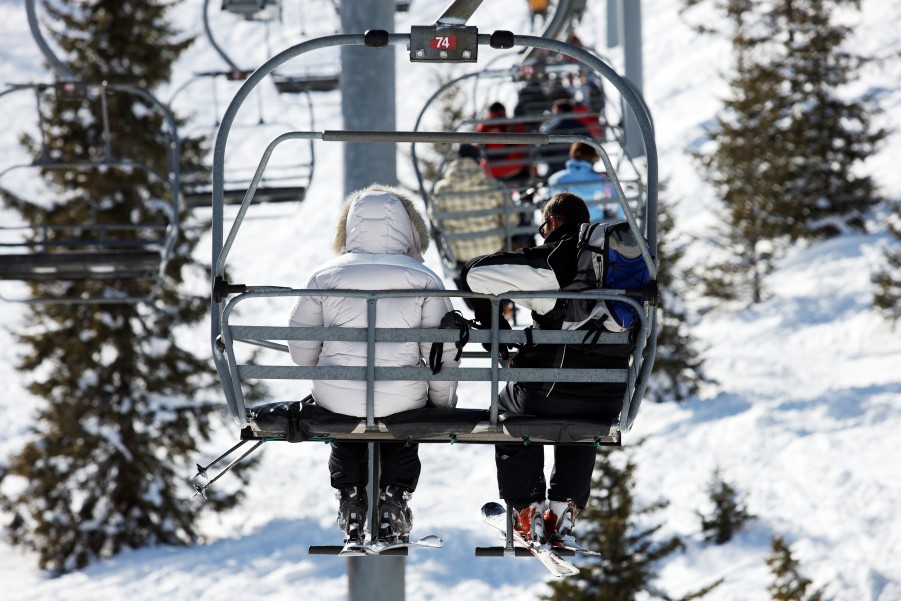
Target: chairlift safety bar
{"x": 372, "y": 335}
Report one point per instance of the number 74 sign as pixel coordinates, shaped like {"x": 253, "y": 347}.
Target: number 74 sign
{"x": 443, "y": 42}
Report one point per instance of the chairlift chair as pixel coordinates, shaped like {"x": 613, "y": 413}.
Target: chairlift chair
{"x": 47, "y": 251}
{"x": 253, "y": 10}
{"x": 288, "y": 185}
{"x": 293, "y": 420}
{"x": 320, "y": 80}
{"x": 498, "y": 82}
{"x": 231, "y": 372}
{"x": 306, "y": 82}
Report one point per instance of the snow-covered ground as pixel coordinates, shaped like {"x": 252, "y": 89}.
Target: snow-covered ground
{"x": 802, "y": 419}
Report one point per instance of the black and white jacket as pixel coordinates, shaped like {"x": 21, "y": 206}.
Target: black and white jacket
{"x": 550, "y": 266}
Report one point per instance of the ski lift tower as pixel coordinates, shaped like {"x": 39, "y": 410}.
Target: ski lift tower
{"x": 368, "y": 102}
{"x": 368, "y": 96}
{"x": 624, "y": 25}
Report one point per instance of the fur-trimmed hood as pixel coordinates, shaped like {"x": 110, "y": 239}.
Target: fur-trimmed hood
{"x": 381, "y": 220}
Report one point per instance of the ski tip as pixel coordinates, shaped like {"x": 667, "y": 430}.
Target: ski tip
{"x": 492, "y": 508}
{"x": 431, "y": 540}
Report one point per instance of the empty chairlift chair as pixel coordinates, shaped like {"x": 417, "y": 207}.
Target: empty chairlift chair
{"x": 106, "y": 243}
{"x": 306, "y": 80}
{"x": 253, "y": 10}
{"x": 286, "y": 181}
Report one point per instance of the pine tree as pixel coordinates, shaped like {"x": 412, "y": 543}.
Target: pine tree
{"x": 887, "y": 279}
{"x": 786, "y": 146}
{"x": 678, "y": 371}
{"x": 729, "y": 511}
{"x": 746, "y": 168}
{"x": 611, "y": 524}
{"x": 125, "y": 405}
{"x": 828, "y": 137}
{"x": 789, "y": 584}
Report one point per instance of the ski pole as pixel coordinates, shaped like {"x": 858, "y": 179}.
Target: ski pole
{"x": 201, "y": 489}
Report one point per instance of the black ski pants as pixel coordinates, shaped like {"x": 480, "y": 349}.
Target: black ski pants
{"x": 348, "y": 465}
{"x": 520, "y": 468}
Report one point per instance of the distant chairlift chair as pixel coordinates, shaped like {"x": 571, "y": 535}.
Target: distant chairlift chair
{"x": 319, "y": 80}
{"x": 290, "y": 186}
{"x": 45, "y": 252}
{"x": 253, "y": 10}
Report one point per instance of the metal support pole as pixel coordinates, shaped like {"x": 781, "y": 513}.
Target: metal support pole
{"x": 368, "y": 95}
{"x": 368, "y": 102}
{"x": 634, "y": 71}
{"x": 614, "y": 22}
{"x": 375, "y": 578}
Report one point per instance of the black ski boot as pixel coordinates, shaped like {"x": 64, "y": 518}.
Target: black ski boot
{"x": 395, "y": 517}
{"x": 352, "y": 507}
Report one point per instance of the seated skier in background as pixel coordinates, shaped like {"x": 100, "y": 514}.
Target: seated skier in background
{"x": 507, "y": 163}
{"x": 466, "y": 187}
{"x": 580, "y": 178}
{"x": 563, "y": 123}
{"x": 520, "y": 468}
{"x": 380, "y": 237}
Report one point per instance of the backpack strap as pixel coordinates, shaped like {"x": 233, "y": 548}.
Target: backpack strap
{"x": 594, "y": 328}
{"x": 451, "y": 320}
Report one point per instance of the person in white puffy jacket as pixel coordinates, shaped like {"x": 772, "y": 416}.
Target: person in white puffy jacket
{"x": 380, "y": 237}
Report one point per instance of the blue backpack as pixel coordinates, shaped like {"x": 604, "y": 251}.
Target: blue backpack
{"x": 608, "y": 256}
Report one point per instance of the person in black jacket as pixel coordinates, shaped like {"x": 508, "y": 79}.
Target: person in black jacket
{"x": 564, "y": 123}
{"x": 520, "y": 468}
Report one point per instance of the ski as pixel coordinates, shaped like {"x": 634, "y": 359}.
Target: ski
{"x": 353, "y": 549}
{"x": 428, "y": 542}
{"x": 357, "y": 549}
{"x": 575, "y": 549}
{"x": 495, "y": 515}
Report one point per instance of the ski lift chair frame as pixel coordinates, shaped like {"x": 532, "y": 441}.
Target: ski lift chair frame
{"x": 289, "y": 185}
{"x": 287, "y": 421}
{"x": 613, "y": 132}
{"x": 310, "y": 81}
{"x": 224, "y": 357}
{"x": 78, "y": 258}
{"x": 634, "y": 189}
{"x": 196, "y": 188}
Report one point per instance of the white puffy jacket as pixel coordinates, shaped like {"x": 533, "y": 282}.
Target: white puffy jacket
{"x": 381, "y": 237}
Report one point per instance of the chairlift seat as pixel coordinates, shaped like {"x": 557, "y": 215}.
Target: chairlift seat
{"x": 79, "y": 265}
{"x": 296, "y": 421}
{"x": 260, "y": 10}
{"x": 297, "y": 84}
{"x": 196, "y": 198}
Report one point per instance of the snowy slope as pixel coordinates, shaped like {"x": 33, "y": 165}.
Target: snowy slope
{"x": 802, "y": 419}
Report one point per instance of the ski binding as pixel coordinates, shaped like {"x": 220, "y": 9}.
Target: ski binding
{"x": 495, "y": 515}
{"x": 377, "y": 547}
